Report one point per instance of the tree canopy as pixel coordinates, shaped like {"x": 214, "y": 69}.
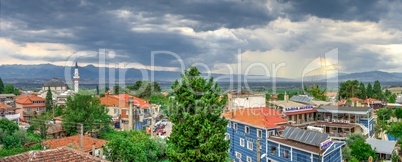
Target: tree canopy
{"x": 317, "y": 92}
{"x": 10, "y": 89}
{"x": 347, "y": 89}
{"x": 85, "y": 109}
{"x": 145, "y": 89}
{"x": 384, "y": 114}
{"x": 396, "y": 130}
{"x": 132, "y": 146}
{"x": 198, "y": 129}
{"x": 49, "y": 100}
{"x": 1, "y": 86}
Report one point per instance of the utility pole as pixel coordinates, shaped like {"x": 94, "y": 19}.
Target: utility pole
{"x": 258, "y": 150}
{"x": 81, "y": 137}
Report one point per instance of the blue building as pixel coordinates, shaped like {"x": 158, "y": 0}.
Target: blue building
{"x": 341, "y": 121}
{"x": 261, "y": 133}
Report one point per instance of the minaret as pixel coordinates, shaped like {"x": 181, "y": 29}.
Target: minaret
{"x": 76, "y": 78}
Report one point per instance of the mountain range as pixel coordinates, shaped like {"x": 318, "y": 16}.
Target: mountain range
{"x": 90, "y": 74}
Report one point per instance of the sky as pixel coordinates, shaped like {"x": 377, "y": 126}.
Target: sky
{"x": 263, "y": 37}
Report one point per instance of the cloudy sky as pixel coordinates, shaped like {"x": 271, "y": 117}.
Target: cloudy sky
{"x": 211, "y": 34}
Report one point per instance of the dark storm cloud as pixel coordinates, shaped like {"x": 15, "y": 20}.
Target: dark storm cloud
{"x": 348, "y": 10}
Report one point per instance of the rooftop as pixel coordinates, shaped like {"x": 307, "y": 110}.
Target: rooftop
{"x": 75, "y": 142}
{"x": 122, "y": 101}
{"x": 296, "y": 144}
{"x": 63, "y": 154}
{"x": 344, "y": 109}
{"x": 259, "y": 117}
{"x": 381, "y": 146}
{"x": 28, "y": 99}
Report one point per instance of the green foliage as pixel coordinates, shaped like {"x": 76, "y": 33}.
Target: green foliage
{"x": 58, "y": 111}
{"x": 362, "y": 91}
{"x": 394, "y": 157}
{"x": 49, "y": 100}
{"x": 392, "y": 98}
{"x": 384, "y": 114}
{"x": 8, "y": 126}
{"x": 377, "y": 91}
{"x": 353, "y": 137}
{"x": 353, "y": 159}
{"x": 198, "y": 130}
{"x": 39, "y": 123}
{"x": 369, "y": 90}
{"x": 347, "y": 89}
{"x": 346, "y": 152}
{"x": 361, "y": 150}
{"x": 161, "y": 100}
{"x": 117, "y": 89}
{"x": 12, "y": 141}
{"x": 87, "y": 110}
{"x": 10, "y": 89}
{"x": 132, "y": 146}
{"x": 317, "y": 92}
{"x": 1, "y": 86}
{"x": 396, "y": 130}
{"x": 145, "y": 89}
{"x": 14, "y": 151}
{"x": 398, "y": 113}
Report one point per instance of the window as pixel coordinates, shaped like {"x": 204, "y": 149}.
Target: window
{"x": 228, "y": 124}
{"x": 259, "y": 133}
{"x": 127, "y": 112}
{"x": 273, "y": 150}
{"x": 241, "y": 142}
{"x": 115, "y": 111}
{"x": 238, "y": 155}
{"x": 250, "y": 145}
{"x": 249, "y": 159}
{"x": 247, "y": 129}
{"x": 235, "y": 126}
{"x": 227, "y": 136}
{"x": 286, "y": 154}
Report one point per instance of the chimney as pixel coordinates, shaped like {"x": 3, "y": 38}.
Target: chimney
{"x": 130, "y": 113}
{"x": 101, "y": 153}
{"x": 93, "y": 149}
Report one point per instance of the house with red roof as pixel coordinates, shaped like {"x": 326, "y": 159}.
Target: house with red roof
{"x": 30, "y": 106}
{"x": 128, "y": 112}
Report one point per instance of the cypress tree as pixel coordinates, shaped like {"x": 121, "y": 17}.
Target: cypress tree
{"x": 49, "y": 100}
{"x": 369, "y": 90}
{"x": 1, "y": 86}
{"x": 362, "y": 91}
{"x": 198, "y": 129}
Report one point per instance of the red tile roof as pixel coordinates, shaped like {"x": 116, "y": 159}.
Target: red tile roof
{"x": 4, "y": 106}
{"x": 355, "y": 99}
{"x": 261, "y": 117}
{"x": 122, "y": 101}
{"x": 75, "y": 141}
{"x": 26, "y": 99}
{"x": 63, "y": 154}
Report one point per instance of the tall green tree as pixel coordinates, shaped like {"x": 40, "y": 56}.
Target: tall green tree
{"x": 369, "y": 90}
{"x": 392, "y": 98}
{"x": 361, "y": 150}
{"x": 10, "y": 89}
{"x": 348, "y": 89}
{"x": 198, "y": 128}
{"x": 362, "y": 91}
{"x": 49, "y": 100}
{"x": 395, "y": 130}
{"x": 84, "y": 109}
{"x": 8, "y": 126}
{"x": 1, "y": 86}
{"x": 384, "y": 114}
{"x": 145, "y": 89}
{"x": 317, "y": 92}
{"x": 41, "y": 123}
{"x": 377, "y": 90}
{"x": 132, "y": 146}
{"x": 398, "y": 113}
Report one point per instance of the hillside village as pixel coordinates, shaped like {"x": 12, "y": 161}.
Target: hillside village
{"x": 92, "y": 126}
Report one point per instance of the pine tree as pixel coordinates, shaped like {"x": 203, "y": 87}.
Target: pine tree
{"x": 362, "y": 91}
{"x": 1, "y": 86}
{"x": 377, "y": 90}
{"x": 49, "y": 100}
{"x": 198, "y": 130}
{"x": 369, "y": 90}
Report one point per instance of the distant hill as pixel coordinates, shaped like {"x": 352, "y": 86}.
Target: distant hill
{"x": 371, "y": 76}
{"x": 90, "y": 74}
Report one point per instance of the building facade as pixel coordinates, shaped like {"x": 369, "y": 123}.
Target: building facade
{"x": 29, "y": 106}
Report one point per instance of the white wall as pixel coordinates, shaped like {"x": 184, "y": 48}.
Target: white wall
{"x": 249, "y": 102}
